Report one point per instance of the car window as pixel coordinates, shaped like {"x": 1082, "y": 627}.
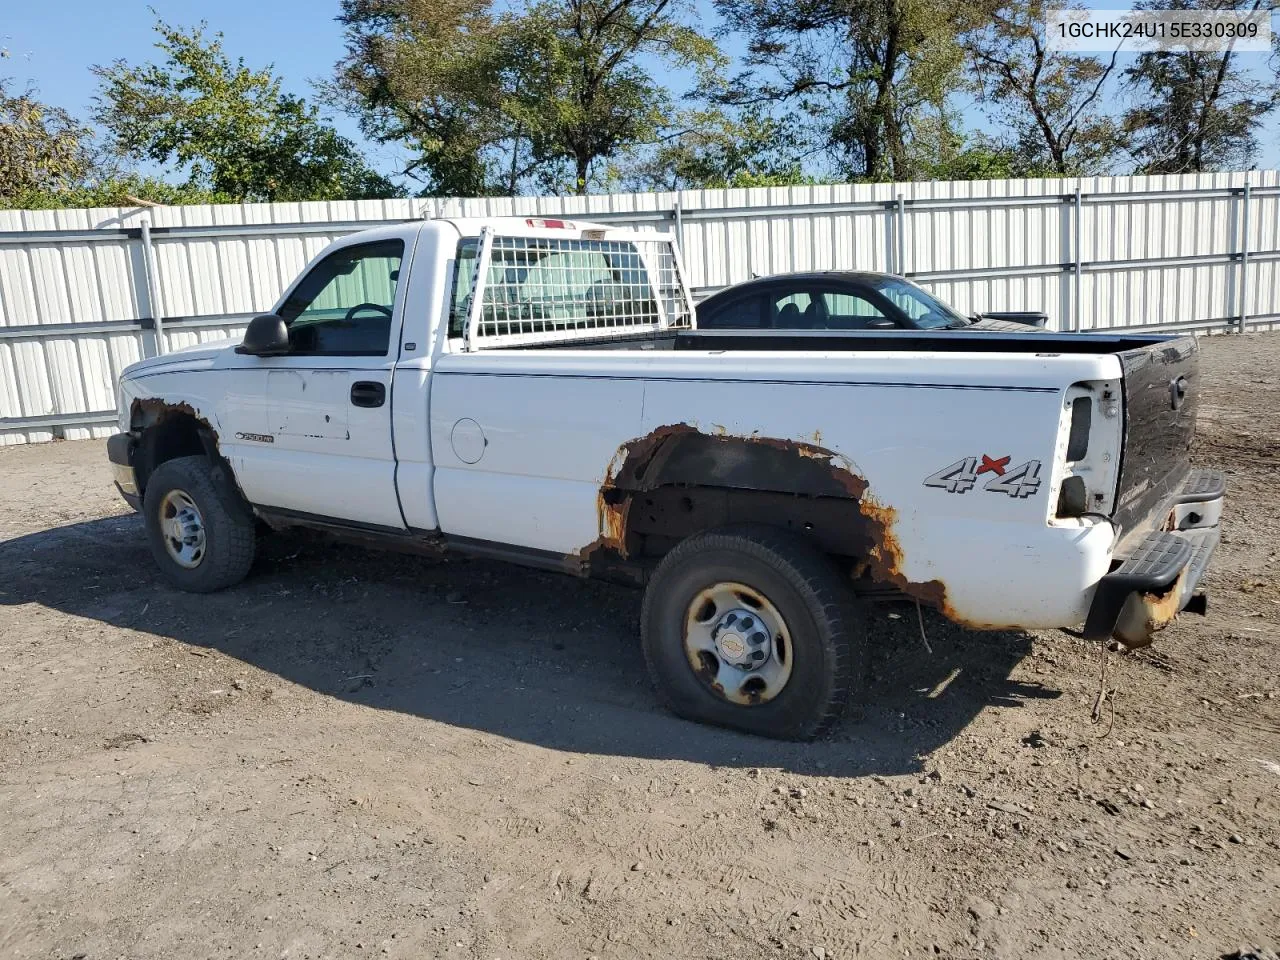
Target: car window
{"x": 740, "y": 314}
{"x": 343, "y": 306}
{"x": 923, "y": 308}
{"x": 792, "y": 310}
{"x": 849, "y": 311}
{"x": 821, "y": 309}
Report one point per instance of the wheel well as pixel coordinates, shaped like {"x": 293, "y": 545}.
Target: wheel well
{"x": 166, "y": 434}
{"x": 678, "y": 481}
{"x": 656, "y": 520}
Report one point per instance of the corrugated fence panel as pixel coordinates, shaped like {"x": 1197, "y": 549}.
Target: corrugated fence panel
{"x": 81, "y": 292}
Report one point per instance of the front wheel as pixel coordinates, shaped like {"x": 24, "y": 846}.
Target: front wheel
{"x": 752, "y": 628}
{"x": 201, "y": 536}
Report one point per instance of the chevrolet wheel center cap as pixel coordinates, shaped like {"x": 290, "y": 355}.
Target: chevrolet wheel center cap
{"x": 731, "y": 646}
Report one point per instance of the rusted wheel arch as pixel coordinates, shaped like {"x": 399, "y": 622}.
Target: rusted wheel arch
{"x": 678, "y": 481}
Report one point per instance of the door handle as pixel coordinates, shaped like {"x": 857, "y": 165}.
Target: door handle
{"x": 368, "y": 393}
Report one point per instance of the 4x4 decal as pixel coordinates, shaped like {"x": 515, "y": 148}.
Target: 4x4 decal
{"x": 963, "y": 475}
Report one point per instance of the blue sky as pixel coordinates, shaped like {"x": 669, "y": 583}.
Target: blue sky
{"x": 53, "y": 43}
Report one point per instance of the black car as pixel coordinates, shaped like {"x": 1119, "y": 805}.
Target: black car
{"x": 842, "y": 300}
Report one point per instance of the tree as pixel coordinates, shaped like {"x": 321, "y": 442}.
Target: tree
{"x": 42, "y": 148}
{"x": 718, "y": 149}
{"x": 945, "y": 153}
{"x": 580, "y": 92}
{"x": 116, "y": 190}
{"x": 230, "y": 128}
{"x": 1197, "y": 110}
{"x": 547, "y": 94}
{"x": 426, "y": 74}
{"x": 862, "y": 72}
{"x": 1053, "y": 102}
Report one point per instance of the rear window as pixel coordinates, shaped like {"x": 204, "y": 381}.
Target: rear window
{"x": 542, "y": 285}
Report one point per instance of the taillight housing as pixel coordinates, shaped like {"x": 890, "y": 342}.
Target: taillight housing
{"x": 1090, "y": 434}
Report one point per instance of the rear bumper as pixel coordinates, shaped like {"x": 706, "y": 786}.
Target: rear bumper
{"x": 1157, "y": 577}
{"x": 120, "y": 449}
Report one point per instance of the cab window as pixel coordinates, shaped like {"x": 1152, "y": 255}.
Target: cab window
{"x": 343, "y": 307}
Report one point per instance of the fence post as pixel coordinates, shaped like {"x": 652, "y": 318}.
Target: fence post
{"x": 900, "y": 231}
{"x": 1077, "y": 305}
{"x": 149, "y": 286}
{"x": 1244, "y": 258}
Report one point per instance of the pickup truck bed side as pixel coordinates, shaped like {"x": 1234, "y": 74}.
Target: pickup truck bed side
{"x": 559, "y": 419}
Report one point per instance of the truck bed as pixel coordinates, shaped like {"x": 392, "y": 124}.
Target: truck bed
{"x": 1159, "y": 382}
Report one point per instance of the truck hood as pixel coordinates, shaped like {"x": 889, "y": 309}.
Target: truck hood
{"x": 197, "y": 357}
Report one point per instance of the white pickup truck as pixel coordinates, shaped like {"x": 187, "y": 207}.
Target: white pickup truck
{"x": 534, "y": 390}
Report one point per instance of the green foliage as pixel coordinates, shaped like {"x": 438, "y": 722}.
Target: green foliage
{"x": 114, "y": 191}
{"x": 230, "y": 128}
{"x": 42, "y": 149}
{"x": 497, "y": 97}
{"x": 578, "y": 89}
{"x": 862, "y": 75}
{"x": 1196, "y": 110}
{"x": 716, "y": 149}
{"x": 547, "y": 94}
{"x": 426, "y": 74}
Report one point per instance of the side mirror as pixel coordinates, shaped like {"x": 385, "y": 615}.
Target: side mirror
{"x": 266, "y": 336}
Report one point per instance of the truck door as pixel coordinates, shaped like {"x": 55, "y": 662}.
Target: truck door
{"x": 312, "y": 429}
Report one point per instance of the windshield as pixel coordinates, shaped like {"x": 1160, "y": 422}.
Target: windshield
{"x": 925, "y": 310}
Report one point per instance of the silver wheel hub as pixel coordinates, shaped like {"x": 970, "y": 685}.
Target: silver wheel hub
{"x": 182, "y": 528}
{"x": 737, "y": 643}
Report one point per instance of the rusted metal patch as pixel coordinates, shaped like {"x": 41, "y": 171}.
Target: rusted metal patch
{"x": 159, "y": 409}
{"x": 1144, "y": 614}
{"x": 749, "y": 477}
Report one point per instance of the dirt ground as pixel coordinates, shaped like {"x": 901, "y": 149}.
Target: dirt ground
{"x": 355, "y": 754}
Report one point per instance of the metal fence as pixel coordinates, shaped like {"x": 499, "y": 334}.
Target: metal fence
{"x": 83, "y": 293}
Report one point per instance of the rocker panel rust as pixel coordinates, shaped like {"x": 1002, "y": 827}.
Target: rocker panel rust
{"x": 678, "y": 480}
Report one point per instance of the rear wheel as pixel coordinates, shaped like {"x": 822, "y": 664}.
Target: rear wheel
{"x": 201, "y": 536}
{"x": 752, "y": 628}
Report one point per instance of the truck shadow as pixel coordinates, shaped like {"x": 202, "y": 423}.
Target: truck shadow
{"x": 535, "y": 657}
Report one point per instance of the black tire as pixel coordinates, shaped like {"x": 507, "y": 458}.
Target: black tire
{"x": 228, "y": 525}
{"x": 824, "y": 619}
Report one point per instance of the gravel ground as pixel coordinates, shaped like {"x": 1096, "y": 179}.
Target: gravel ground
{"x": 362, "y": 754}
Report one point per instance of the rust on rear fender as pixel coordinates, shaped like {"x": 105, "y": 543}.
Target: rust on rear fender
{"x": 677, "y": 480}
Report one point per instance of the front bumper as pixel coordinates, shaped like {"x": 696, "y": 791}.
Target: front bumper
{"x": 120, "y": 449}
{"x": 1157, "y": 578}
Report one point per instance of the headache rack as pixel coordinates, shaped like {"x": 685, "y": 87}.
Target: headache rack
{"x": 584, "y": 285}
